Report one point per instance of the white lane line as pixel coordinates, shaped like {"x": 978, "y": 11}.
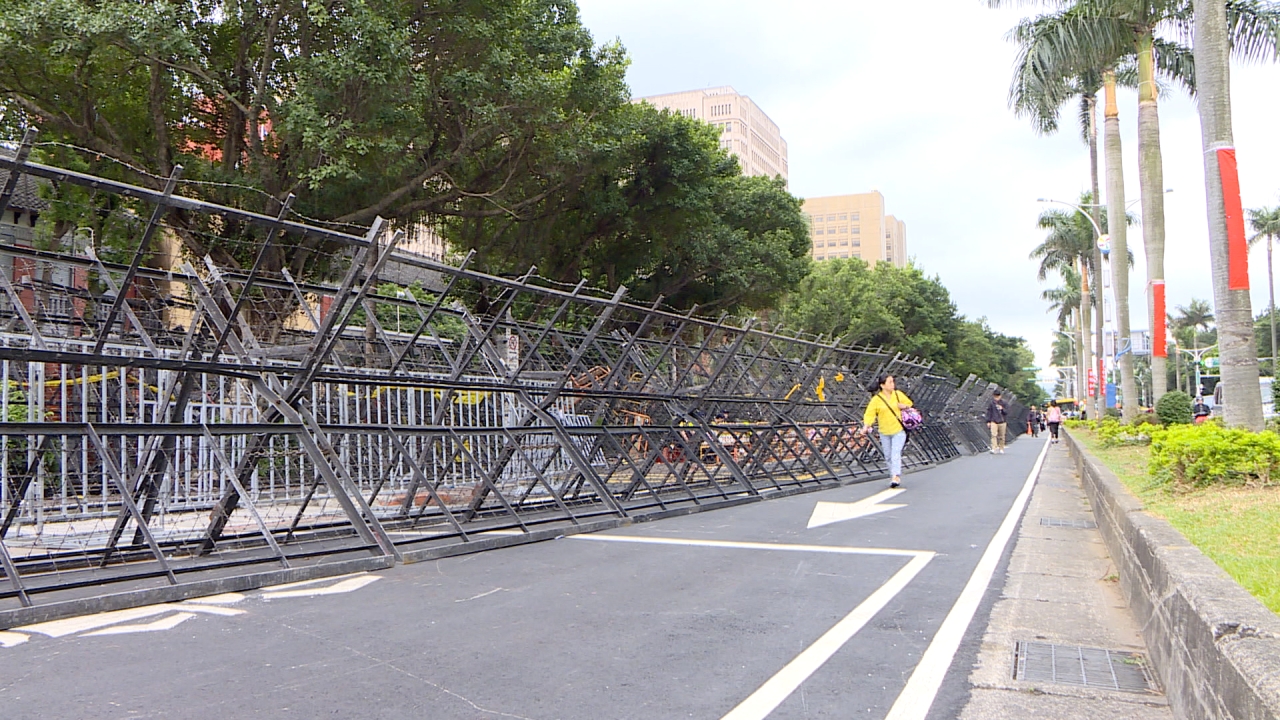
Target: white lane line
{"x": 477, "y": 597}
{"x": 223, "y": 599}
{"x": 922, "y": 687}
{"x": 836, "y": 549}
{"x": 317, "y": 581}
{"x": 346, "y": 586}
{"x": 10, "y": 639}
{"x": 763, "y": 701}
{"x": 167, "y": 623}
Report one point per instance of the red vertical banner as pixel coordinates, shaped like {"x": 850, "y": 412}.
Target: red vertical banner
{"x": 1237, "y": 245}
{"x": 1158, "y": 348}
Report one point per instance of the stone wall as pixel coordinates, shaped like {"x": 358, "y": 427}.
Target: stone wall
{"x": 1215, "y": 647}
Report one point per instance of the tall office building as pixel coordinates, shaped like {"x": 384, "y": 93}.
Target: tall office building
{"x": 895, "y": 241}
{"x": 745, "y": 129}
{"x": 855, "y": 226}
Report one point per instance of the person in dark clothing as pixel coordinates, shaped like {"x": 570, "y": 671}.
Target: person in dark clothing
{"x": 997, "y": 421}
{"x": 1200, "y": 411}
{"x": 1033, "y": 421}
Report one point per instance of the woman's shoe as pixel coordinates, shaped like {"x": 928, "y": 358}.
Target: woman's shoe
{"x": 894, "y": 483}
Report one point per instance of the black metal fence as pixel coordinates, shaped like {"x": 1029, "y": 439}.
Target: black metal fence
{"x": 168, "y": 423}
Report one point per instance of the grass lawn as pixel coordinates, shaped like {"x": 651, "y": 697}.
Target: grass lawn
{"x": 1236, "y": 526}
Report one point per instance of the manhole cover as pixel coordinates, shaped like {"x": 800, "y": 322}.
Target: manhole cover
{"x": 1090, "y": 667}
{"x": 1063, "y": 522}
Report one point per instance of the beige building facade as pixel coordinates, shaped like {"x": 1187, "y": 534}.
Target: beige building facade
{"x": 855, "y": 226}
{"x": 745, "y": 130}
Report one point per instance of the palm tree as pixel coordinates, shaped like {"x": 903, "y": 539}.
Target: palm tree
{"x": 1197, "y": 316}
{"x": 1066, "y": 299}
{"x": 1039, "y": 92}
{"x": 1069, "y": 248}
{"x": 1265, "y": 223}
{"x": 1193, "y": 319}
{"x": 1237, "y": 350}
{"x": 1088, "y": 36}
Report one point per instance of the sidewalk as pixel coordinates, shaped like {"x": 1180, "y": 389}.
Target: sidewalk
{"x": 1061, "y": 591}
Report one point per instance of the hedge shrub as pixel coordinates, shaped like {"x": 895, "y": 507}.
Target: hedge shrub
{"x": 1174, "y": 408}
{"x": 1111, "y": 433}
{"x": 1207, "y": 454}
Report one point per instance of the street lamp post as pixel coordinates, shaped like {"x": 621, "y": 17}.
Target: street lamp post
{"x": 1197, "y": 354}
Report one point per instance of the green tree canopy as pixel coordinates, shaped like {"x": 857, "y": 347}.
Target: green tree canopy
{"x": 360, "y": 108}
{"x": 502, "y": 119}
{"x": 664, "y": 211}
{"x": 910, "y": 312}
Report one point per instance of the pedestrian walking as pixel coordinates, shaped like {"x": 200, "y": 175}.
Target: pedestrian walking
{"x": 996, "y": 417}
{"x": 1033, "y": 421}
{"x": 1054, "y": 418}
{"x": 885, "y": 412}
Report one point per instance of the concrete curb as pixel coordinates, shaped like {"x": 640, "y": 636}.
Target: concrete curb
{"x": 1215, "y": 647}
{"x": 17, "y": 617}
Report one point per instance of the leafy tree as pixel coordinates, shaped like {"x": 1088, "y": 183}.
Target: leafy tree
{"x": 665, "y": 212}
{"x": 361, "y": 108}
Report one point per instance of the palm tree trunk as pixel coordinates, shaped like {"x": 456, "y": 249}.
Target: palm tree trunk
{"x": 1099, "y": 392}
{"x": 1271, "y": 287}
{"x": 1119, "y": 244}
{"x": 1228, "y": 251}
{"x": 1151, "y": 182}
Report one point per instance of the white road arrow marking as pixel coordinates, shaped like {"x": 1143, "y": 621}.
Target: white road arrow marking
{"x": 71, "y": 626}
{"x": 346, "y": 586}
{"x": 167, "y": 623}
{"x": 10, "y": 639}
{"x": 825, "y": 513}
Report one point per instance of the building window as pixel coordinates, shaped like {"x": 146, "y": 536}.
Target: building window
{"x": 817, "y": 231}
{"x": 855, "y": 229}
{"x": 831, "y": 218}
{"x": 857, "y": 243}
{"x": 844, "y": 242}
{"x": 844, "y": 216}
{"x": 843, "y": 229}
{"x": 844, "y": 255}
{"x": 855, "y": 217}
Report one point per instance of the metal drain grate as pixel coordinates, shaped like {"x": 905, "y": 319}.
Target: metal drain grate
{"x": 1063, "y": 522}
{"x": 1089, "y": 667}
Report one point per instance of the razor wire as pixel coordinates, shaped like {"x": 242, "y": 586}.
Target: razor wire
{"x": 171, "y": 423}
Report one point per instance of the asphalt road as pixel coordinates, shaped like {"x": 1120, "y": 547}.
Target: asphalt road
{"x": 581, "y": 628}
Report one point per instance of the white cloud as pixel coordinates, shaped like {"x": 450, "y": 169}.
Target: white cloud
{"x": 910, "y": 99}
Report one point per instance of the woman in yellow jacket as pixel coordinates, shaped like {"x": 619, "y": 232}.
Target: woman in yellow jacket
{"x": 885, "y": 412}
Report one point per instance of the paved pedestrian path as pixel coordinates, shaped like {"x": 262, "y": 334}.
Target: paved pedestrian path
{"x": 1060, "y": 589}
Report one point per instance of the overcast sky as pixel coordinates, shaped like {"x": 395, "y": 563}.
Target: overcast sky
{"x": 910, "y": 98}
